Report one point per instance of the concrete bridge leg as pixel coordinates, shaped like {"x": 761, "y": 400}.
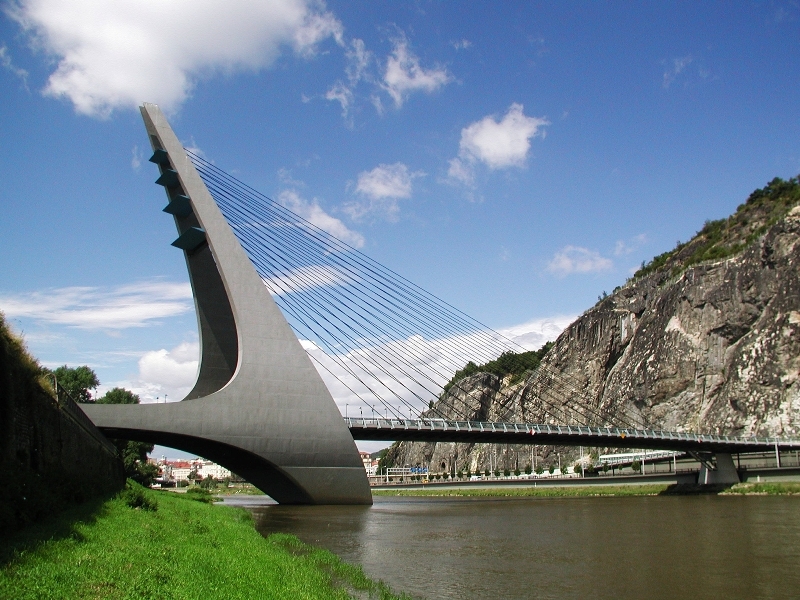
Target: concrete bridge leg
{"x": 259, "y": 407}
{"x": 723, "y": 472}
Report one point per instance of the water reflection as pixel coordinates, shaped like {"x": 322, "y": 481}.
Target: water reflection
{"x": 653, "y": 547}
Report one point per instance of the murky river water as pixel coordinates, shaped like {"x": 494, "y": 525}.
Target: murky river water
{"x": 651, "y": 547}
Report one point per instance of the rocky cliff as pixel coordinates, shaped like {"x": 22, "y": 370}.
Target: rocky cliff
{"x": 704, "y": 338}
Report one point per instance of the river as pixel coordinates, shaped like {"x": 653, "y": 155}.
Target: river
{"x": 504, "y": 549}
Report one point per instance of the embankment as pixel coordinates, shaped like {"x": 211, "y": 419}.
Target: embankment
{"x": 170, "y": 547}
{"x": 50, "y": 457}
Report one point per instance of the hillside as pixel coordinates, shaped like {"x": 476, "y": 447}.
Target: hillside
{"x": 703, "y": 338}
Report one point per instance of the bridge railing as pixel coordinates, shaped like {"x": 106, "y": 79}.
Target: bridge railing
{"x": 443, "y": 425}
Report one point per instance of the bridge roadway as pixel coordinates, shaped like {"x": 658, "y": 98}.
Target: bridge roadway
{"x": 440, "y": 430}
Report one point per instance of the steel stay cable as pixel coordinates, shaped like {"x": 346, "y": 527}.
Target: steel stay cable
{"x": 324, "y": 315}
{"x": 495, "y": 339}
{"x": 329, "y": 238}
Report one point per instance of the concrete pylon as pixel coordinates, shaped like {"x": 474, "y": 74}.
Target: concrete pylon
{"x": 259, "y": 407}
{"x": 724, "y": 473}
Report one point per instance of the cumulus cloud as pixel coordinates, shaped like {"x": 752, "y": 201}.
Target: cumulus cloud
{"x": 386, "y": 181}
{"x": 382, "y": 187}
{"x": 312, "y": 212}
{"x": 114, "y": 55}
{"x": 574, "y": 259}
{"x": 122, "y": 307}
{"x": 497, "y": 144}
{"x": 404, "y": 74}
{"x": 163, "y": 375}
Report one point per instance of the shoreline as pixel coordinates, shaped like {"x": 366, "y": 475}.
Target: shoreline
{"x": 573, "y": 491}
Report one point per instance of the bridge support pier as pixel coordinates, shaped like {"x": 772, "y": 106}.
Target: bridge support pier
{"x": 723, "y": 471}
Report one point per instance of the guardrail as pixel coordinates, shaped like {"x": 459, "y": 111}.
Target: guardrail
{"x": 74, "y": 412}
{"x": 610, "y": 435}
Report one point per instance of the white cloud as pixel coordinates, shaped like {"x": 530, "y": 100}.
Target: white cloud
{"x": 7, "y": 63}
{"x": 461, "y": 172}
{"x": 342, "y": 94}
{"x": 136, "y": 158}
{"x": 404, "y": 74}
{"x": 461, "y": 44}
{"x": 676, "y": 68}
{"x": 114, "y": 55}
{"x": 501, "y": 144}
{"x": 623, "y": 248}
{"x": 386, "y": 181}
{"x": 574, "y": 259}
{"x": 163, "y": 375}
{"x": 306, "y": 278}
{"x": 532, "y": 335}
{"x": 314, "y": 214}
{"x": 382, "y": 186}
{"x": 134, "y": 305}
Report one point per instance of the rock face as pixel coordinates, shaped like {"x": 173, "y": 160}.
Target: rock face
{"x": 713, "y": 347}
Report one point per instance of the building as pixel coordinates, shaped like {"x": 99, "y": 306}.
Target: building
{"x": 174, "y": 471}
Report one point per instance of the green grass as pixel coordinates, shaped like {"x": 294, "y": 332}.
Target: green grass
{"x": 534, "y": 492}
{"x": 765, "y": 489}
{"x": 179, "y": 549}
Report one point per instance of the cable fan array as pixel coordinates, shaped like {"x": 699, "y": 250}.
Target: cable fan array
{"x": 379, "y": 341}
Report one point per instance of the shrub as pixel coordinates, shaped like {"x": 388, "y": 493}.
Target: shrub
{"x": 200, "y": 494}
{"x": 506, "y": 472}
{"x": 517, "y": 471}
{"x": 134, "y": 496}
{"x": 528, "y": 470}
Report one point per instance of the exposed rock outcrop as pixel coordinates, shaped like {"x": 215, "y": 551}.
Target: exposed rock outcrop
{"x": 701, "y": 346}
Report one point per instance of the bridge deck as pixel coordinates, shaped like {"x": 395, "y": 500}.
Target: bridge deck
{"x": 440, "y": 430}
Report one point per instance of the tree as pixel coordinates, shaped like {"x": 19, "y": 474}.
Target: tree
{"x": 552, "y": 469}
{"x": 77, "y": 381}
{"x": 539, "y": 469}
{"x": 118, "y": 395}
{"x": 528, "y": 470}
{"x": 636, "y": 466}
{"x": 133, "y": 454}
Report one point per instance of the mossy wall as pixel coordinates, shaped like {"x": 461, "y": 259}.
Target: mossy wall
{"x": 48, "y": 458}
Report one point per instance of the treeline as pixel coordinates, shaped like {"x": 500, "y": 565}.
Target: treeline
{"x": 511, "y": 363}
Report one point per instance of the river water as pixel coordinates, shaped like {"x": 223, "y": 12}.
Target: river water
{"x": 639, "y": 547}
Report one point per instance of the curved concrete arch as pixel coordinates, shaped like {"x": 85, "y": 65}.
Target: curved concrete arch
{"x": 259, "y": 407}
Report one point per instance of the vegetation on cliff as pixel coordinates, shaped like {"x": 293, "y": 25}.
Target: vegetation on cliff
{"x": 147, "y": 544}
{"x": 515, "y": 364}
{"x": 723, "y": 238}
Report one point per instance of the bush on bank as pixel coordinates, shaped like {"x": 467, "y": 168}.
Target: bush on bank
{"x": 183, "y": 549}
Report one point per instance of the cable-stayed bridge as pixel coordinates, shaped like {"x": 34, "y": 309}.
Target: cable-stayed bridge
{"x": 290, "y": 316}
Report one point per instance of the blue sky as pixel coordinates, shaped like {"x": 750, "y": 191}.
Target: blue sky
{"x": 515, "y": 159}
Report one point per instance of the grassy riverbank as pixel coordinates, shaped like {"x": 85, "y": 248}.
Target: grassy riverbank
{"x": 787, "y": 488}
{"x": 533, "y": 492}
{"x": 182, "y": 549}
